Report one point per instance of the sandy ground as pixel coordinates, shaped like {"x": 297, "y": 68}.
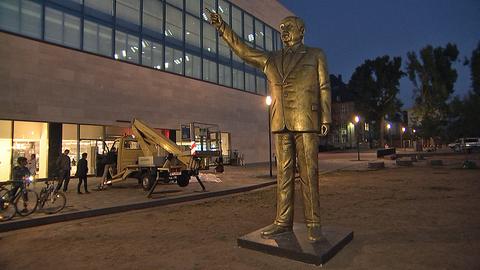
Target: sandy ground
{"x": 404, "y": 218}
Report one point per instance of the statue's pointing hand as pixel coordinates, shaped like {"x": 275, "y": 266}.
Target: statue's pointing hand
{"x": 215, "y": 18}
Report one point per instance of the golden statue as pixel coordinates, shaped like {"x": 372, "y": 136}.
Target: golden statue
{"x": 298, "y": 82}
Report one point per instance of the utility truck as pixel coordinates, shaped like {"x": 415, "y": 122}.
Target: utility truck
{"x": 152, "y": 158}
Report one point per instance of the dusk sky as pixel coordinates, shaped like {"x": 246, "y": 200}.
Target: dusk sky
{"x": 350, "y": 31}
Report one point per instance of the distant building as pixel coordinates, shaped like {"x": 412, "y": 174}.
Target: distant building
{"x": 342, "y": 132}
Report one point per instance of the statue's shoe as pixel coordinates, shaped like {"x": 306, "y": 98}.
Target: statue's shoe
{"x": 274, "y": 230}
{"x": 314, "y": 233}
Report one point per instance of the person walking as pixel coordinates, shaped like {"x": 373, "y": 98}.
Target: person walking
{"x": 63, "y": 165}
{"x": 82, "y": 170}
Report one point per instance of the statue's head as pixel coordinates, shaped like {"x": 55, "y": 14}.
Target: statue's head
{"x": 293, "y": 29}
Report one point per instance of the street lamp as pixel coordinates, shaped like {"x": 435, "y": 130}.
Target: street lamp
{"x": 401, "y": 138}
{"x": 268, "y": 101}
{"x": 357, "y": 120}
{"x": 389, "y": 134}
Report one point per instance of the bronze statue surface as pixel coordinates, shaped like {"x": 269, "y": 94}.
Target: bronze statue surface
{"x": 298, "y": 82}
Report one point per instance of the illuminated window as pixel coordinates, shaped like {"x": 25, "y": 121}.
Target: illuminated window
{"x": 5, "y": 149}
{"x": 174, "y": 24}
{"x": 173, "y": 60}
{"x": 209, "y": 71}
{"x": 126, "y": 47}
{"x": 152, "y": 54}
{"x": 192, "y": 32}
{"x": 31, "y": 138}
{"x": 193, "y": 66}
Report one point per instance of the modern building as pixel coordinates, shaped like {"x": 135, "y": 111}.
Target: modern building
{"x": 75, "y": 72}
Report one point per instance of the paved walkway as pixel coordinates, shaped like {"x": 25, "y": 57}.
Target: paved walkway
{"x": 128, "y": 195}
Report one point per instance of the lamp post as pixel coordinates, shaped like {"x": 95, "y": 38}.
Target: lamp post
{"x": 357, "y": 130}
{"x": 268, "y": 101}
{"x": 389, "y": 134}
{"x": 401, "y": 138}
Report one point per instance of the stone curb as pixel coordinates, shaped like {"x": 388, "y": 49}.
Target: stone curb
{"x": 27, "y": 223}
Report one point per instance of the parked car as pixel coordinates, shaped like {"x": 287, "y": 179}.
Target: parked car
{"x": 465, "y": 144}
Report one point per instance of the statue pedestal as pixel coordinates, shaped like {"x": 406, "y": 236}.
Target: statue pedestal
{"x": 296, "y": 246}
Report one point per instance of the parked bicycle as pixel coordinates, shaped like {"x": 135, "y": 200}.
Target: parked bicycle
{"x": 23, "y": 202}
{"x": 50, "y": 200}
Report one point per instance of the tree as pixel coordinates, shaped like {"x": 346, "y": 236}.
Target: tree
{"x": 433, "y": 78}
{"x": 375, "y": 84}
{"x": 475, "y": 69}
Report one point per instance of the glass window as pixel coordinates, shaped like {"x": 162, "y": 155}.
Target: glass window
{"x": 268, "y": 38}
{"x": 23, "y": 17}
{"x": 192, "y": 32}
{"x": 210, "y": 4}
{"x": 224, "y": 10}
{"x": 193, "y": 66}
{"x": 225, "y": 75}
{"x": 259, "y": 34}
{"x": 250, "y": 82}
{"x": 209, "y": 70}
{"x": 177, "y": 3}
{"x": 152, "y": 54}
{"x": 10, "y": 15}
{"x": 248, "y": 33}
{"x": 173, "y": 60}
{"x": 97, "y": 38}
{"x": 128, "y": 11}
{"x": 31, "y": 138}
{"x": 91, "y": 132}
{"x": 62, "y": 28}
{"x": 237, "y": 21}
{"x": 153, "y": 16}
{"x": 104, "y": 6}
{"x": 5, "y": 149}
{"x": 261, "y": 87}
{"x": 126, "y": 47}
{"x": 174, "y": 24}
{"x": 31, "y": 19}
{"x": 209, "y": 39}
{"x": 193, "y": 6}
{"x": 238, "y": 81}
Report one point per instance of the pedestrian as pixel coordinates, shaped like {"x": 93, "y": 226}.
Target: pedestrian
{"x": 32, "y": 165}
{"x": 20, "y": 174}
{"x": 111, "y": 161}
{"x": 63, "y": 165}
{"x": 82, "y": 170}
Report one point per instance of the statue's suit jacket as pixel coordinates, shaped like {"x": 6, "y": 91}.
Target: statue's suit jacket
{"x": 299, "y": 84}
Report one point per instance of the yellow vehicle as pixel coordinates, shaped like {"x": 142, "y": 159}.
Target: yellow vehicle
{"x": 152, "y": 158}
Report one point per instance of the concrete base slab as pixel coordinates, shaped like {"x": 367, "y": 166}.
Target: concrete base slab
{"x": 295, "y": 245}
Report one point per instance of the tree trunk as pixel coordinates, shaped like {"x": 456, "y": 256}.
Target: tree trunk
{"x": 382, "y": 132}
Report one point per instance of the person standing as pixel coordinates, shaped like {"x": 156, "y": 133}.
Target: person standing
{"x": 300, "y": 113}
{"x": 63, "y": 165}
{"x": 82, "y": 170}
{"x": 32, "y": 165}
{"x": 20, "y": 173}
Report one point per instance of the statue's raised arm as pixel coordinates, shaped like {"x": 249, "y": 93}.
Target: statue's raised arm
{"x": 250, "y": 55}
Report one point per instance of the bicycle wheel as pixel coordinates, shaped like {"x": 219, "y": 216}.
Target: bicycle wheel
{"x": 55, "y": 202}
{"x": 26, "y": 203}
{"x": 7, "y": 209}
